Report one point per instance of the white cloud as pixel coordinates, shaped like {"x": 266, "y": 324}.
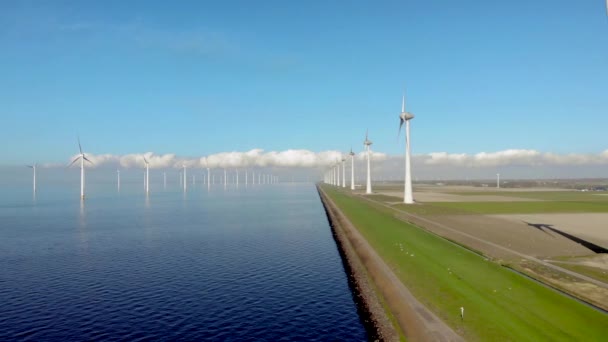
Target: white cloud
{"x": 298, "y": 158}
{"x": 252, "y": 158}
{"x": 515, "y": 158}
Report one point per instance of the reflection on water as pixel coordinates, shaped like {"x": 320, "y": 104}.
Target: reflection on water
{"x": 82, "y": 228}
{"x": 255, "y": 263}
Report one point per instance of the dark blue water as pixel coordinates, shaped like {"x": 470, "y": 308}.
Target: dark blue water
{"x": 256, "y": 263}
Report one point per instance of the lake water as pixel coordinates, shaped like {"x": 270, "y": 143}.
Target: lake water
{"x": 255, "y": 263}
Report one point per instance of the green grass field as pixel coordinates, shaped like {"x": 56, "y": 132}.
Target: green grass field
{"x": 500, "y": 305}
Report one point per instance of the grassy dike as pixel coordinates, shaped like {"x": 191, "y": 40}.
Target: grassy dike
{"x": 499, "y": 304}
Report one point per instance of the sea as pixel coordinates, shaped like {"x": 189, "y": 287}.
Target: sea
{"x": 213, "y": 263}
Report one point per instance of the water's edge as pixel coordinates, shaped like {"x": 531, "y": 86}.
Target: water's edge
{"x": 369, "y": 307}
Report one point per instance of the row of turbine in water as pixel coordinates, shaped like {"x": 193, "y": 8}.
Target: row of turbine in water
{"x": 332, "y": 175}
{"x": 262, "y": 178}
{"x": 210, "y": 179}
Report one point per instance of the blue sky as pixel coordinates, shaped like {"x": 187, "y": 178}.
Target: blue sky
{"x": 196, "y": 78}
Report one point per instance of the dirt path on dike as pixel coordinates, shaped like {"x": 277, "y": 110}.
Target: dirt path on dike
{"x": 416, "y": 321}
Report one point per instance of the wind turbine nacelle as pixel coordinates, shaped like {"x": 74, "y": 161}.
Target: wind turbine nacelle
{"x": 406, "y": 116}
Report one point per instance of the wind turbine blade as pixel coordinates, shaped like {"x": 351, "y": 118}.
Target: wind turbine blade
{"x": 400, "y": 126}
{"x": 79, "y": 147}
{"x": 403, "y": 103}
{"x": 145, "y": 160}
{"x": 73, "y": 161}
{"x": 30, "y": 166}
{"x": 87, "y": 159}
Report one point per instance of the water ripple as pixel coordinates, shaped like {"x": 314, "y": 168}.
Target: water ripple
{"x": 245, "y": 265}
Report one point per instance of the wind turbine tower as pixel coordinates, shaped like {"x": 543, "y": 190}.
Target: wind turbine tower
{"x": 208, "y": 178}
{"x": 185, "y": 178}
{"x": 82, "y": 158}
{"x": 118, "y": 180}
{"x": 498, "y": 178}
{"x": 147, "y": 175}
{"x": 338, "y": 172}
{"x": 164, "y": 180}
{"x": 405, "y": 117}
{"x": 352, "y": 169}
{"x": 367, "y": 144}
{"x": 343, "y": 173}
{"x": 33, "y": 167}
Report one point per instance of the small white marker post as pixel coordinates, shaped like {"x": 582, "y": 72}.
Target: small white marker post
{"x": 462, "y": 313}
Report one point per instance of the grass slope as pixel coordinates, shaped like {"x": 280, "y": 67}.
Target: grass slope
{"x": 499, "y": 304}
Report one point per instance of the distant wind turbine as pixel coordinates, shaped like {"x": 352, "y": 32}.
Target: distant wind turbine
{"x": 367, "y": 144}
{"x": 147, "y": 175}
{"x": 118, "y": 179}
{"x": 33, "y": 167}
{"x": 208, "y": 178}
{"x": 352, "y": 169}
{"x": 343, "y": 173}
{"x": 405, "y": 117}
{"x": 185, "y": 178}
{"x": 82, "y": 158}
{"x": 338, "y": 172}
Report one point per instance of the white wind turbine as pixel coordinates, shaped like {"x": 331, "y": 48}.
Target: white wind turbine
{"x": 185, "y": 178}
{"x": 82, "y": 158}
{"x": 33, "y": 167}
{"x": 338, "y": 172}
{"x": 208, "y": 178}
{"x": 405, "y": 117}
{"x": 343, "y": 173}
{"x": 367, "y": 144}
{"x": 147, "y": 175}
{"x": 352, "y": 169}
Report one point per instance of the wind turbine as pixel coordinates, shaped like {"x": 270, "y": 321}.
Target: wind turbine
{"x": 338, "y": 172}
{"x": 165, "y": 180}
{"x": 147, "y": 175}
{"x": 118, "y": 179}
{"x": 82, "y": 158}
{"x": 208, "y": 178}
{"x": 237, "y": 177}
{"x": 352, "y": 169}
{"x": 185, "y": 178}
{"x": 343, "y": 173}
{"x": 367, "y": 144}
{"x": 498, "y": 175}
{"x": 405, "y": 117}
{"x": 33, "y": 167}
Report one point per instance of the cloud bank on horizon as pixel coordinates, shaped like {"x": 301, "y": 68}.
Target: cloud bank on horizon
{"x": 515, "y": 157}
{"x": 300, "y": 158}
{"x": 291, "y": 158}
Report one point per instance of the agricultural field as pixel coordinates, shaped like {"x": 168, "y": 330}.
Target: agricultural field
{"x": 499, "y": 303}
{"x": 547, "y": 224}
